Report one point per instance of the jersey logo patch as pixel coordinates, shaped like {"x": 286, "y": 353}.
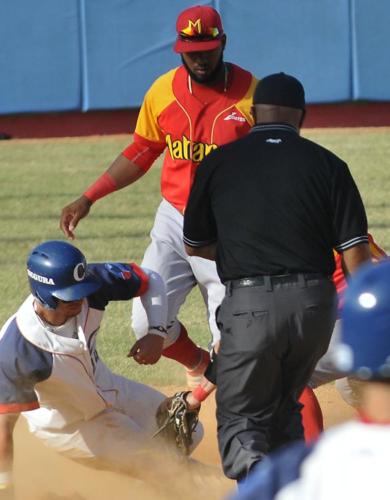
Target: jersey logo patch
{"x": 119, "y": 270}
{"x": 234, "y": 116}
{"x": 274, "y": 141}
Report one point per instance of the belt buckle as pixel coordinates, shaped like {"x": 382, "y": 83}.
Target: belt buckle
{"x": 246, "y": 282}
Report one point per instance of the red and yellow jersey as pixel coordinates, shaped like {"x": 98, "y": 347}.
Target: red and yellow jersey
{"x": 339, "y": 277}
{"x": 189, "y": 121}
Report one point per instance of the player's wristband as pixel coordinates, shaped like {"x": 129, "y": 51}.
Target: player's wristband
{"x": 100, "y": 188}
{"x": 200, "y": 394}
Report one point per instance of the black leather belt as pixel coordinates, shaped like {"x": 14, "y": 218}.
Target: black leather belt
{"x": 275, "y": 279}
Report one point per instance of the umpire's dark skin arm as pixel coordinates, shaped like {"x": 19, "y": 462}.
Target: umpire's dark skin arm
{"x": 206, "y": 252}
{"x": 355, "y": 257}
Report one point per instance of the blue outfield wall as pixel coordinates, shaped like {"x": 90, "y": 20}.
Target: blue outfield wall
{"x": 371, "y": 49}
{"x": 308, "y": 39}
{"x": 128, "y": 43}
{"x": 69, "y": 55}
{"x": 40, "y": 66}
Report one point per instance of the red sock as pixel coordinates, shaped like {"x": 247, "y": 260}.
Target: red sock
{"x": 184, "y": 351}
{"x": 311, "y": 413}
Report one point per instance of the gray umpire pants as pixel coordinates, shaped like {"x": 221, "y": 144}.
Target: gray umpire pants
{"x": 272, "y": 336}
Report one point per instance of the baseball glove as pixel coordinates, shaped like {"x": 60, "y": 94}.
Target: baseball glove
{"x": 176, "y": 423}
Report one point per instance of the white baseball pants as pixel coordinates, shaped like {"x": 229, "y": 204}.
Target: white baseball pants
{"x": 166, "y": 255}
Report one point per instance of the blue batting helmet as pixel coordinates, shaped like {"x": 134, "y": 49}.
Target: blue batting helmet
{"x": 57, "y": 270}
{"x": 365, "y": 333}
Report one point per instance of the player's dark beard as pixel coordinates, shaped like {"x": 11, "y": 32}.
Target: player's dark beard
{"x": 212, "y": 78}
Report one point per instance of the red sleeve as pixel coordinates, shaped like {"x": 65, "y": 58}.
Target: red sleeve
{"x": 143, "y": 279}
{"x": 338, "y": 275}
{"x": 18, "y": 407}
{"x": 143, "y": 152}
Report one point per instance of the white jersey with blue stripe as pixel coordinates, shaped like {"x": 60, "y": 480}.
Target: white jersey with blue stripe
{"x": 348, "y": 461}
{"x": 58, "y": 381}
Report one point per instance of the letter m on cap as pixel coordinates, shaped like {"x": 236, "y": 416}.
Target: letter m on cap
{"x": 193, "y": 28}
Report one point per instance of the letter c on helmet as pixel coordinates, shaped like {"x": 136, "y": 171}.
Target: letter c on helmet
{"x": 79, "y": 272}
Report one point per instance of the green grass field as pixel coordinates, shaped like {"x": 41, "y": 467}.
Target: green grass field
{"x": 37, "y": 178}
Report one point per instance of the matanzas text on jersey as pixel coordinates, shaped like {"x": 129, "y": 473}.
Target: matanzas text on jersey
{"x": 185, "y": 150}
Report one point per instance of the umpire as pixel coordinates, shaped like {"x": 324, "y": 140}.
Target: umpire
{"x": 270, "y": 208}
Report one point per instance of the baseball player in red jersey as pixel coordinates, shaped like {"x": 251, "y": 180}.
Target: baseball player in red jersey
{"x": 187, "y": 112}
{"x": 325, "y": 370}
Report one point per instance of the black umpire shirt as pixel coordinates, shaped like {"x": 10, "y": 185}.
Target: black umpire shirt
{"x": 275, "y": 203}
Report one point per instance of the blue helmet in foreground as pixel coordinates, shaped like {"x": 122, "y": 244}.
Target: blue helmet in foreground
{"x": 57, "y": 270}
{"x": 365, "y": 348}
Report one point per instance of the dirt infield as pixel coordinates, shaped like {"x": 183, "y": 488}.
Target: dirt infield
{"x": 40, "y": 474}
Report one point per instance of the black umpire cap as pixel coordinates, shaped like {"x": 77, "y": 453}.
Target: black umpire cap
{"x": 280, "y": 89}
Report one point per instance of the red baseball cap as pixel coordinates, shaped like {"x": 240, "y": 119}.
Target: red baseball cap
{"x": 199, "y": 28}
